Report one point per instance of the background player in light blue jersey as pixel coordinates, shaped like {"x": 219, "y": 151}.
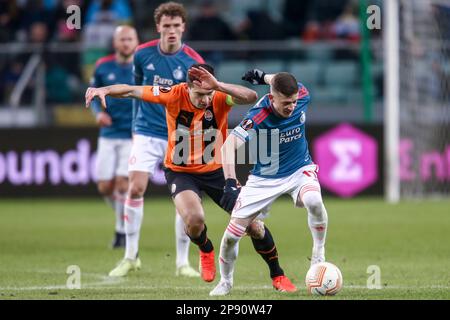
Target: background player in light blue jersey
{"x": 162, "y": 62}
{"x": 279, "y": 118}
{"x": 114, "y": 143}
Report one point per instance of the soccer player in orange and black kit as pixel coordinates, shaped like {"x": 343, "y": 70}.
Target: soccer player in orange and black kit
{"x": 197, "y": 121}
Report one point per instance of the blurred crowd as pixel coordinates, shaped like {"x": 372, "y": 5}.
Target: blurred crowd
{"x": 44, "y": 21}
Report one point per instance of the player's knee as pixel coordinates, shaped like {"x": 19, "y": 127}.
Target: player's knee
{"x": 136, "y": 190}
{"x": 105, "y": 188}
{"x": 313, "y": 202}
{"x": 230, "y": 240}
{"x": 194, "y": 222}
{"x": 256, "y": 229}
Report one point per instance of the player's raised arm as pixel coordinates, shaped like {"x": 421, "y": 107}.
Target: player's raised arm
{"x": 205, "y": 80}
{"x": 116, "y": 91}
{"x": 257, "y": 76}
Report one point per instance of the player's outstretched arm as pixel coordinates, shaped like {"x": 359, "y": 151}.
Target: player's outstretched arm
{"x": 116, "y": 91}
{"x": 205, "y": 80}
{"x": 240, "y": 94}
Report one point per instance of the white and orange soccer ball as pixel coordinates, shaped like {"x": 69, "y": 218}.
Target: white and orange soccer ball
{"x": 324, "y": 279}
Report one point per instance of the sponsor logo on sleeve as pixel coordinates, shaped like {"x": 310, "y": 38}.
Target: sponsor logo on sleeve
{"x": 247, "y": 124}
{"x": 165, "y": 89}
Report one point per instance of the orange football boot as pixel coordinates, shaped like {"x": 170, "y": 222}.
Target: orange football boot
{"x": 207, "y": 266}
{"x": 283, "y": 284}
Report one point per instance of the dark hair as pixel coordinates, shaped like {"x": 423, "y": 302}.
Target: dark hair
{"x": 171, "y": 9}
{"x": 285, "y": 83}
{"x": 208, "y": 68}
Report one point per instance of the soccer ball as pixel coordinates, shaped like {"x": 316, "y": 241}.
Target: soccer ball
{"x": 324, "y": 279}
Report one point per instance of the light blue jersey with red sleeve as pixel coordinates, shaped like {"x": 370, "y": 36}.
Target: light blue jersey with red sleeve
{"x": 109, "y": 72}
{"x": 156, "y": 68}
{"x": 277, "y": 144}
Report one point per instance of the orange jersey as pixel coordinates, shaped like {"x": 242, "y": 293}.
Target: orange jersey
{"x": 195, "y": 135}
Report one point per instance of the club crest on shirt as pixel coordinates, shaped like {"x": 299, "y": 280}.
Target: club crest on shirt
{"x": 178, "y": 73}
{"x": 111, "y": 77}
{"x": 208, "y": 115}
{"x": 302, "y": 117}
{"x": 247, "y": 124}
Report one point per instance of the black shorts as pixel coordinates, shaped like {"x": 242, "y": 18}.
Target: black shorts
{"x": 211, "y": 183}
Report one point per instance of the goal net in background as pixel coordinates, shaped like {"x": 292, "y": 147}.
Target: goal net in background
{"x": 423, "y": 98}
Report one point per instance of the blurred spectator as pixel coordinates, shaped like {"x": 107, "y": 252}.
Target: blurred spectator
{"x": 312, "y": 32}
{"x": 36, "y": 13}
{"x": 115, "y": 10}
{"x": 335, "y": 22}
{"x": 237, "y": 13}
{"x": 9, "y": 78}
{"x": 261, "y": 27}
{"x": 347, "y": 25}
{"x": 321, "y": 19}
{"x": 325, "y": 11}
{"x": 295, "y": 15}
{"x": 38, "y": 33}
{"x": 101, "y": 20}
{"x": 9, "y": 19}
{"x": 209, "y": 26}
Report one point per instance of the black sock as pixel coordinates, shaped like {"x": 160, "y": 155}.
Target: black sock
{"x": 268, "y": 251}
{"x": 203, "y": 242}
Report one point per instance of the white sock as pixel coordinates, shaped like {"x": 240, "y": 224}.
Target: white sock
{"x": 317, "y": 219}
{"x": 229, "y": 248}
{"x": 119, "y": 210}
{"x": 182, "y": 242}
{"x": 134, "y": 213}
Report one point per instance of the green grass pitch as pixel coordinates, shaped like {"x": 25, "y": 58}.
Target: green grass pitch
{"x": 39, "y": 239}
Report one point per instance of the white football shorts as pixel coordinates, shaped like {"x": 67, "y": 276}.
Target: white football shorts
{"x": 258, "y": 194}
{"x": 146, "y": 153}
{"x": 112, "y": 158}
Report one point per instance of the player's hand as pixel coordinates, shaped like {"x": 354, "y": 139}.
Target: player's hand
{"x": 203, "y": 79}
{"x": 91, "y": 93}
{"x": 254, "y": 76}
{"x": 230, "y": 194}
{"x": 103, "y": 119}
